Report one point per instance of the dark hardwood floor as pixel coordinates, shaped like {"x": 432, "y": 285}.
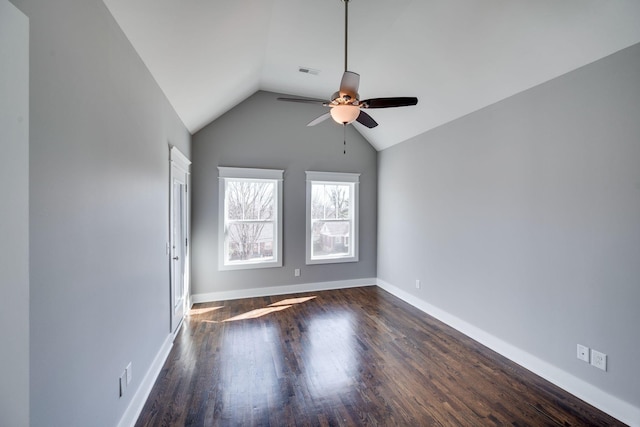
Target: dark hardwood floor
{"x": 344, "y": 358}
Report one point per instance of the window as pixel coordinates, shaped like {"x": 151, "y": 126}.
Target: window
{"x": 250, "y": 219}
{"x": 332, "y": 217}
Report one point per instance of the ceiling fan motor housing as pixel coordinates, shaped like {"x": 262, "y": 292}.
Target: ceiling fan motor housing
{"x": 345, "y": 98}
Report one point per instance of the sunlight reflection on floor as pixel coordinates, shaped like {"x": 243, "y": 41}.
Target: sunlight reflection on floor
{"x": 291, "y": 301}
{"x": 259, "y": 312}
{"x": 330, "y": 355}
{"x": 253, "y": 314}
{"x": 197, "y": 311}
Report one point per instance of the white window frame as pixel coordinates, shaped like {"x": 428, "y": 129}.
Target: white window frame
{"x": 250, "y": 174}
{"x": 353, "y": 179}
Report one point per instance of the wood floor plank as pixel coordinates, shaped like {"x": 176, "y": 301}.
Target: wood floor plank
{"x": 347, "y": 357}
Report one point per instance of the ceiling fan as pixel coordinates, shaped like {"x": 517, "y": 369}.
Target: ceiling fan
{"x": 345, "y": 104}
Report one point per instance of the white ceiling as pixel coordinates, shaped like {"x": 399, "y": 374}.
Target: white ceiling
{"x": 456, "y": 56}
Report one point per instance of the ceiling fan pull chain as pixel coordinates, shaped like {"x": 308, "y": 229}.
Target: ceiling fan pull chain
{"x": 344, "y": 127}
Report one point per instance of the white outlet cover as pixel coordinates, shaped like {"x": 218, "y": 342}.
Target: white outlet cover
{"x": 599, "y": 360}
{"x": 583, "y": 352}
{"x": 129, "y": 373}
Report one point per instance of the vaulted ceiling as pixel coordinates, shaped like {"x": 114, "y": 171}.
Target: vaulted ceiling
{"x": 456, "y": 56}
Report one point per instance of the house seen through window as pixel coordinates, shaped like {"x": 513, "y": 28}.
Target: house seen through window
{"x": 332, "y": 217}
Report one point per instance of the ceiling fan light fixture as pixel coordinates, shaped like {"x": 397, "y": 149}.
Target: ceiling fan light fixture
{"x": 345, "y": 114}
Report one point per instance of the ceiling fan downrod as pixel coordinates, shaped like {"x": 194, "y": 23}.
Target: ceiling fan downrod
{"x": 346, "y": 32}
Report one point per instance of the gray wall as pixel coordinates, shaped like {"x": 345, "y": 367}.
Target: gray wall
{"x": 523, "y": 219}
{"x": 265, "y": 133}
{"x": 14, "y": 216}
{"x": 99, "y": 177}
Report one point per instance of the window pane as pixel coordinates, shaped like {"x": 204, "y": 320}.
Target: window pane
{"x": 250, "y": 223}
{"x": 331, "y": 238}
{"x": 250, "y": 241}
{"x": 332, "y": 222}
{"x": 340, "y": 200}
{"x": 330, "y": 201}
{"x": 317, "y": 201}
{"x": 250, "y": 200}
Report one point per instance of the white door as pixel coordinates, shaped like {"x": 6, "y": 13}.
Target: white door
{"x": 179, "y": 243}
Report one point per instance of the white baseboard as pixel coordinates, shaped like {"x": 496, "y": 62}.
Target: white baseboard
{"x": 613, "y": 406}
{"x": 281, "y": 290}
{"x": 132, "y": 413}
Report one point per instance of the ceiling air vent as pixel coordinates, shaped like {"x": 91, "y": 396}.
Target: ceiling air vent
{"x": 308, "y": 70}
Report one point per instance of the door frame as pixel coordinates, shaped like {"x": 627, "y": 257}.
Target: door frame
{"x": 179, "y": 164}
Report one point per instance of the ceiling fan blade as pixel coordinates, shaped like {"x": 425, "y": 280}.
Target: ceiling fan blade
{"x": 349, "y": 84}
{"x": 304, "y": 100}
{"x": 367, "y": 120}
{"x": 320, "y": 119}
{"x": 389, "y": 102}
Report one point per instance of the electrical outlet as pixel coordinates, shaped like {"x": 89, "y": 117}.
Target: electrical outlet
{"x": 599, "y": 360}
{"x": 583, "y": 353}
{"x": 417, "y": 284}
{"x": 296, "y": 272}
